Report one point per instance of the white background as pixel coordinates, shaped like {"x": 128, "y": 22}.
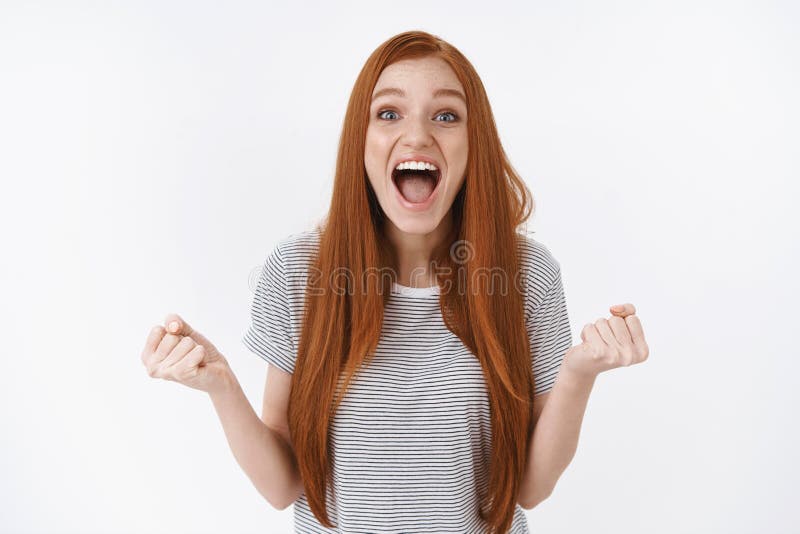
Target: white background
{"x": 152, "y": 154}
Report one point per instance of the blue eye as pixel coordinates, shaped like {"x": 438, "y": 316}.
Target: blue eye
{"x": 385, "y": 111}
{"x": 381, "y": 115}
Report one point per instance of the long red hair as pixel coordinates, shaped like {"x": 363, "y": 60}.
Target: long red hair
{"x": 342, "y": 325}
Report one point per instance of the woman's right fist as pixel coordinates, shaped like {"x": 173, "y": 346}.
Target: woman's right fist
{"x": 181, "y": 354}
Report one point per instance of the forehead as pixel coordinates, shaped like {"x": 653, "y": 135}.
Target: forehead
{"x": 426, "y": 71}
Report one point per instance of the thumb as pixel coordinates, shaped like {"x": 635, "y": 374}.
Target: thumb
{"x": 176, "y": 325}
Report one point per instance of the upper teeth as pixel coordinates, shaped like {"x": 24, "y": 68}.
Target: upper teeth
{"x": 417, "y": 166}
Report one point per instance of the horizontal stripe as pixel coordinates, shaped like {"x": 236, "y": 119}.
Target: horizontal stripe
{"x": 411, "y": 441}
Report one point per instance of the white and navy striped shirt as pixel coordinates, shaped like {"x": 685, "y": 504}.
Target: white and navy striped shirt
{"x": 411, "y": 440}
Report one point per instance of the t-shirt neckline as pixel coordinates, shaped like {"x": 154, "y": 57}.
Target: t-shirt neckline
{"x": 415, "y": 291}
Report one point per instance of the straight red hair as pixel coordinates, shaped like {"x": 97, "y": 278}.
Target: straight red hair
{"x": 342, "y": 325}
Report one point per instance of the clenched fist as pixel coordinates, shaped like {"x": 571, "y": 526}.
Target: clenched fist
{"x": 609, "y": 343}
{"x": 182, "y": 354}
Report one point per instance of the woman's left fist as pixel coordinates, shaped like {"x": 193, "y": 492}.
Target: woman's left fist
{"x": 609, "y": 343}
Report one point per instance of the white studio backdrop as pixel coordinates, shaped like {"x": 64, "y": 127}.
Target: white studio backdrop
{"x": 152, "y": 154}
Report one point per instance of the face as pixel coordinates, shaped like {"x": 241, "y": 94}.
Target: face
{"x": 417, "y": 115}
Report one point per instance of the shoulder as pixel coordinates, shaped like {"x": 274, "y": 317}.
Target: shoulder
{"x": 539, "y": 268}
{"x": 291, "y": 258}
{"x": 298, "y": 248}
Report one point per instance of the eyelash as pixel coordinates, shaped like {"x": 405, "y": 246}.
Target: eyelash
{"x": 455, "y": 116}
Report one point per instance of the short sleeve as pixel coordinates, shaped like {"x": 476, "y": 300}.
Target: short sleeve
{"x": 269, "y": 334}
{"x": 548, "y": 330}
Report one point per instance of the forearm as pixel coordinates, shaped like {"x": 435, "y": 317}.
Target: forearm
{"x": 555, "y": 436}
{"x": 261, "y": 452}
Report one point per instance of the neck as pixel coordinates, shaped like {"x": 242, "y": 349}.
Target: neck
{"x": 415, "y": 253}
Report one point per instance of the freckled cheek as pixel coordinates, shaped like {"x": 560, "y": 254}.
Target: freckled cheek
{"x": 375, "y": 161}
{"x": 377, "y": 153}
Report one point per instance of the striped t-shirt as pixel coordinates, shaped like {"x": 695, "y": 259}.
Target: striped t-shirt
{"x": 411, "y": 439}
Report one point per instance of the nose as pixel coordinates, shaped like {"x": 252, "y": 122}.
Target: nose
{"x": 418, "y": 131}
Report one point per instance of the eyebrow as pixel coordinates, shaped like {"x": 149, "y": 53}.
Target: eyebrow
{"x": 436, "y": 94}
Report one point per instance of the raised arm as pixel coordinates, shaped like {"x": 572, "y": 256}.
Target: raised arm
{"x": 260, "y": 445}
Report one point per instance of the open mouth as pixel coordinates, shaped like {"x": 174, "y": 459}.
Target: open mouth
{"x": 416, "y": 186}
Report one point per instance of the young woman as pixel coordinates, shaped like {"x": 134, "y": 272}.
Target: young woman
{"x": 421, "y": 376}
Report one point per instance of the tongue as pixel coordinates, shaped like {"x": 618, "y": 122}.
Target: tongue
{"x": 416, "y": 187}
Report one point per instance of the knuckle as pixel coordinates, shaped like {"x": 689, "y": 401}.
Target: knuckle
{"x": 187, "y": 359}
{"x": 628, "y": 355}
{"x": 172, "y": 337}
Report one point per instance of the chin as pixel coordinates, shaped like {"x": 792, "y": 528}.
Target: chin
{"x": 422, "y": 225}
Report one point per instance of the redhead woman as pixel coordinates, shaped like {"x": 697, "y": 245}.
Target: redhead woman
{"x": 421, "y": 373}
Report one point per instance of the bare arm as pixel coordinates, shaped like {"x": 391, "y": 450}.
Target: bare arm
{"x": 607, "y": 344}
{"x": 262, "y": 447}
{"x": 262, "y": 452}
{"x": 558, "y": 415}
